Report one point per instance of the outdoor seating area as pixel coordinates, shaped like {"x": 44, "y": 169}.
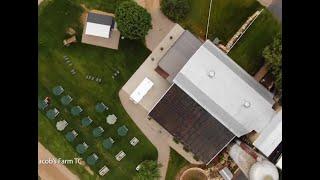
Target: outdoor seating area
{"x": 66, "y": 100}
{"x": 92, "y": 78}
{"x": 92, "y": 159}
{"x": 86, "y": 121}
{"x": 120, "y": 156}
{"x": 71, "y": 135}
{"x": 97, "y": 132}
{"x": 134, "y": 141}
{"x": 122, "y": 131}
{"x": 61, "y": 125}
{"x": 82, "y": 148}
{"x": 58, "y": 90}
{"x": 52, "y": 113}
{"x": 111, "y": 119}
{"x": 101, "y": 107}
{"x": 104, "y": 170}
{"x": 107, "y": 143}
{"x": 76, "y": 110}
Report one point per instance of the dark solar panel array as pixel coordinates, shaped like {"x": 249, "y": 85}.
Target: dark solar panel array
{"x": 192, "y": 125}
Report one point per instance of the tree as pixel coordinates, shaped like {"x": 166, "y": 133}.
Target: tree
{"x": 149, "y": 171}
{"x": 273, "y": 56}
{"x": 133, "y": 21}
{"x": 176, "y": 10}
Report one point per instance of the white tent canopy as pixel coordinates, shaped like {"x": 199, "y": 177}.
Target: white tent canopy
{"x": 100, "y": 30}
{"x": 141, "y": 90}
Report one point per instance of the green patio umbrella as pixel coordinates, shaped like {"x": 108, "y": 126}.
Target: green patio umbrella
{"x": 107, "y": 143}
{"x": 57, "y": 90}
{"x": 65, "y": 100}
{"x": 82, "y": 148}
{"x": 71, "y": 135}
{"x": 100, "y": 107}
{"x": 122, "y": 131}
{"x": 52, "y": 113}
{"x": 76, "y": 110}
{"x": 97, "y": 131}
{"x": 86, "y": 121}
{"x": 92, "y": 159}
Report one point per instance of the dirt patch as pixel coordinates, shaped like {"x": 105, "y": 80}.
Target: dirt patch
{"x": 194, "y": 174}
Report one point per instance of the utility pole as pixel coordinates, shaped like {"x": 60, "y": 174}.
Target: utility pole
{"x": 208, "y": 23}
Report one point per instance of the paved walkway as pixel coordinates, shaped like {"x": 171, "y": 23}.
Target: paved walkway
{"x": 161, "y": 25}
{"x": 52, "y": 171}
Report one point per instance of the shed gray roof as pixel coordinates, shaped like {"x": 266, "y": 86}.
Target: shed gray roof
{"x": 100, "y": 19}
{"x": 179, "y": 54}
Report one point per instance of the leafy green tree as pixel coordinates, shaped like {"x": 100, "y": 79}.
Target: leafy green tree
{"x": 149, "y": 171}
{"x": 133, "y": 21}
{"x": 176, "y": 10}
{"x": 273, "y": 56}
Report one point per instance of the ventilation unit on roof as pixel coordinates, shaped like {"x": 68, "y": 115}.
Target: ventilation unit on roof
{"x": 211, "y": 74}
{"x": 246, "y": 104}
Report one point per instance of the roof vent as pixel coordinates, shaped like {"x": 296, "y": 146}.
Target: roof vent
{"x": 211, "y": 74}
{"x": 246, "y": 104}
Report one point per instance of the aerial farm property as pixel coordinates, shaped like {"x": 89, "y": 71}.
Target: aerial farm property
{"x": 136, "y": 91}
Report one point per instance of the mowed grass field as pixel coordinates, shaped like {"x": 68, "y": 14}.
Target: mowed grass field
{"x": 176, "y": 162}
{"x": 227, "y": 16}
{"x": 54, "y": 18}
{"x": 248, "y": 50}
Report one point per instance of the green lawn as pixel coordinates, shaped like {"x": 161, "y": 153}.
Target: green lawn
{"x": 176, "y": 162}
{"x": 59, "y": 146}
{"x": 227, "y": 16}
{"x": 248, "y": 50}
{"x": 103, "y": 5}
{"x": 54, "y": 18}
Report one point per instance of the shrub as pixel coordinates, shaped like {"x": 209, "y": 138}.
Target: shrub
{"x": 133, "y": 21}
{"x": 176, "y": 10}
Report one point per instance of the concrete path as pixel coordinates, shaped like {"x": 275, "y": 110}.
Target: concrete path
{"x": 52, "y": 171}
{"x": 275, "y": 6}
{"x": 139, "y": 115}
{"x": 161, "y": 25}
